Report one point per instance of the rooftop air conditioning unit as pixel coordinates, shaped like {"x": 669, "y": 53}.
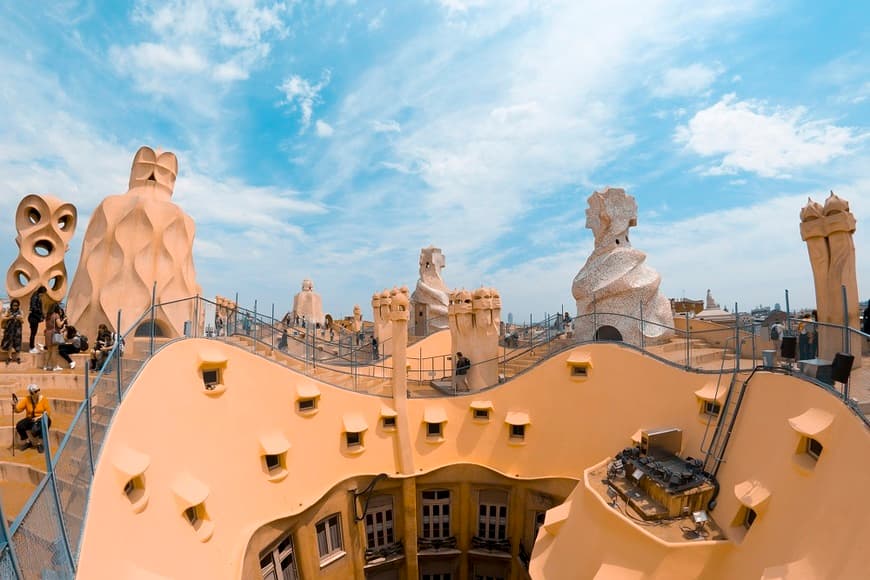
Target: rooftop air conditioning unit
{"x": 661, "y": 441}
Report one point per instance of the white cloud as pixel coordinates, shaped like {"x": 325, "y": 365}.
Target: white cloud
{"x": 301, "y": 94}
{"x": 183, "y": 59}
{"x": 691, "y": 80}
{"x": 388, "y": 126}
{"x": 230, "y": 71}
{"x": 323, "y": 129}
{"x": 751, "y": 136}
{"x": 515, "y": 113}
{"x": 845, "y": 76}
{"x": 198, "y": 41}
{"x": 484, "y": 139}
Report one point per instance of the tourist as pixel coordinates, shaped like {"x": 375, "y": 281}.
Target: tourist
{"x": 218, "y": 324}
{"x": 34, "y": 405}
{"x": 462, "y": 366}
{"x": 813, "y": 335}
{"x": 12, "y": 331}
{"x": 804, "y": 338}
{"x": 102, "y": 347}
{"x": 282, "y": 342}
{"x": 375, "y": 354}
{"x": 776, "y": 331}
{"x": 35, "y": 316}
{"x": 72, "y": 345}
{"x": 866, "y": 325}
{"x": 53, "y": 337}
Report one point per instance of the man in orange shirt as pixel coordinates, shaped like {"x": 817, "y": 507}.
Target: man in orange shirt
{"x": 35, "y": 405}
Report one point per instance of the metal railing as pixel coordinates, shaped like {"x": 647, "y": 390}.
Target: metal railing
{"x": 45, "y": 538}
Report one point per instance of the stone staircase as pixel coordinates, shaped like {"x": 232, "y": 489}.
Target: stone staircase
{"x": 367, "y": 379}
{"x": 517, "y": 363}
{"x": 21, "y": 473}
{"x": 701, "y": 354}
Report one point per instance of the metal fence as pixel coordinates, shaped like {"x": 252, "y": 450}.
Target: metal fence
{"x": 44, "y": 540}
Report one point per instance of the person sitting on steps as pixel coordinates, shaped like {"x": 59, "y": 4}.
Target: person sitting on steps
{"x": 102, "y": 347}
{"x": 34, "y": 405}
{"x": 73, "y": 345}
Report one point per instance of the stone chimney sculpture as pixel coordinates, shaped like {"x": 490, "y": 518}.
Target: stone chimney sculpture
{"x": 475, "y": 319}
{"x": 134, "y": 241}
{"x": 45, "y": 226}
{"x": 357, "y": 323}
{"x": 383, "y": 328}
{"x": 308, "y": 304}
{"x": 615, "y": 289}
{"x": 430, "y": 299}
{"x": 828, "y": 230}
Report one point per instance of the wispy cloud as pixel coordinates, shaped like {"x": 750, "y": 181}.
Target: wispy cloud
{"x": 301, "y": 94}
{"x": 323, "y": 129}
{"x": 751, "y": 136}
{"x": 691, "y": 80}
{"x": 388, "y": 126}
{"x": 205, "y": 40}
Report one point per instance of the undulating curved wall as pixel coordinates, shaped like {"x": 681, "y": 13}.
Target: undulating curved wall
{"x": 198, "y": 447}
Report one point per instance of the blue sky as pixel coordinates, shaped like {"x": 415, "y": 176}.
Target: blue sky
{"x": 333, "y": 139}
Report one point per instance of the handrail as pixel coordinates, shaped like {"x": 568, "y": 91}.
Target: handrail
{"x": 70, "y": 469}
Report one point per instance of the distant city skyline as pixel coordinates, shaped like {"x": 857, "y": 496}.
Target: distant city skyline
{"x": 333, "y": 139}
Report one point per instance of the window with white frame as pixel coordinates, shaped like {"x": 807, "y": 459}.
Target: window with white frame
{"x": 379, "y": 522}
{"x": 279, "y": 563}
{"x": 436, "y": 514}
{"x": 492, "y": 514}
{"x": 329, "y": 538}
{"x": 813, "y": 448}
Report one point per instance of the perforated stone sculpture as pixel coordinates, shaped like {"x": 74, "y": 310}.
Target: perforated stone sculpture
{"x": 430, "y": 298}
{"x": 45, "y": 226}
{"x": 134, "y": 241}
{"x": 615, "y": 289}
{"x": 828, "y": 230}
{"x": 308, "y": 303}
{"x": 474, "y": 319}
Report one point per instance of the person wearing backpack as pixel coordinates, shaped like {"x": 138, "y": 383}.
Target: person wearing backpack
{"x": 75, "y": 343}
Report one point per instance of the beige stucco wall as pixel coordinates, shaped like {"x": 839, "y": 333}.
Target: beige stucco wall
{"x": 575, "y": 423}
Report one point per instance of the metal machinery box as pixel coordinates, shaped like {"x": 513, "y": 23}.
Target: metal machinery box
{"x": 668, "y": 441}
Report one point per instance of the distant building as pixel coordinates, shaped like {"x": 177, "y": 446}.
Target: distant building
{"x": 683, "y": 305}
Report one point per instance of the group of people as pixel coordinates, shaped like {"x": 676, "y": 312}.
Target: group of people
{"x": 60, "y": 339}
{"x": 805, "y": 332}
